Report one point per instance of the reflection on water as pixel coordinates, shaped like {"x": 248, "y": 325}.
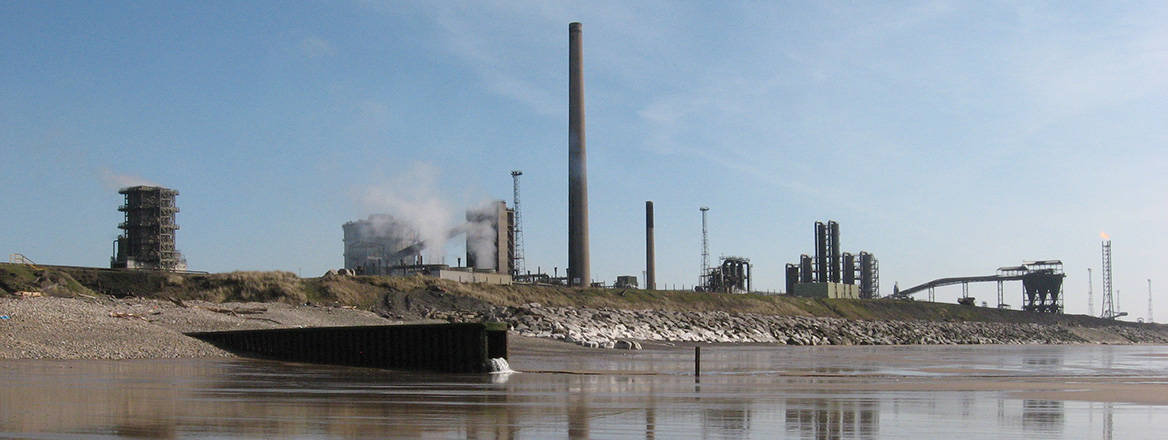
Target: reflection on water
{"x": 1042, "y": 415}
{"x": 833, "y": 419}
{"x": 745, "y": 392}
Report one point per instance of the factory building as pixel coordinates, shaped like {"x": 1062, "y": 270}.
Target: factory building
{"x": 148, "y": 230}
{"x": 375, "y": 245}
{"x": 732, "y": 276}
{"x": 832, "y": 273}
{"x": 490, "y": 238}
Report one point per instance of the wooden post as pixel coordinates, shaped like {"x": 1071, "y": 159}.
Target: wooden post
{"x": 697, "y": 361}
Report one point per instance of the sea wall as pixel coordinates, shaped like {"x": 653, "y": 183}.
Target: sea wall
{"x": 620, "y": 328}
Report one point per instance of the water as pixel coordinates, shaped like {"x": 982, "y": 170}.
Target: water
{"x": 998, "y": 392}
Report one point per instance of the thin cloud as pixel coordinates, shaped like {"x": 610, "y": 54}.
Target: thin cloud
{"x": 316, "y": 47}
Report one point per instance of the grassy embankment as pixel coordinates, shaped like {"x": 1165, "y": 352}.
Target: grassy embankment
{"x": 419, "y": 294}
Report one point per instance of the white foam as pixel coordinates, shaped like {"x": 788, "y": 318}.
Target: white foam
{"x": 498, "y": 366}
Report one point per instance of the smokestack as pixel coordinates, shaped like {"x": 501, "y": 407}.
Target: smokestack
{"x": 834, "y": 251}
{"x": 579, "y": 269}
{"x": 650, "y": 270}
{"x": 820, "y": 252}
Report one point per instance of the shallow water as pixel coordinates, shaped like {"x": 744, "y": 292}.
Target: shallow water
{"x": 744, "y": 392}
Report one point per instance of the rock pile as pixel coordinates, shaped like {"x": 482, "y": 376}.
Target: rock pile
{"x": 613, "y": 328}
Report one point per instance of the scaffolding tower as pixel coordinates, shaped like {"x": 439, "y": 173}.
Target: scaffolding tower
{"x": 148, "y": 230}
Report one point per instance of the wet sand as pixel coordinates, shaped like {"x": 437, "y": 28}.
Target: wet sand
{"x": 1076, "y": 391}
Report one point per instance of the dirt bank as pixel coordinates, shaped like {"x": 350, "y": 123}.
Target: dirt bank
{"x": 65, "y": 312}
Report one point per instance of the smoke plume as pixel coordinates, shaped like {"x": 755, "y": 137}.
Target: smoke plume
{"x": 116, "y": 181}
{"x": 412, "y": 200}
{"x": 480, "y": 227}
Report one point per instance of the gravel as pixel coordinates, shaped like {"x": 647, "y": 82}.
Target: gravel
{"x": 137, "y": 328}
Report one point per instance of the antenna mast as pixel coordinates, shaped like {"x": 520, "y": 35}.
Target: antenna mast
{"x": 1108, "y": 298}
{"x": 517, "y": 228}
{"x": 1090, "y": 294}
{"x": 705, "y": 249}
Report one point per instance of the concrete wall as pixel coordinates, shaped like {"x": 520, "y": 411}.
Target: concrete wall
{"x": 462, "y": 348}
{"x": 827, "y": 290}
{"x": 474, "y": 277}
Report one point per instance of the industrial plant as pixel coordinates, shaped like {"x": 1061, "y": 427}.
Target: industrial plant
{"x": 832, "y": 273}
{"x": 388, "y": 244}
{"x": 1042, "y": 284}
{"x": 148, "y": 230}
{"x": 383, "y": 245}
{"x": 731, "y": 275}
{"x": 375, "y": 245}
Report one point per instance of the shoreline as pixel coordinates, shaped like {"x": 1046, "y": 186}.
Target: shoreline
{"x": 144, "y": 328}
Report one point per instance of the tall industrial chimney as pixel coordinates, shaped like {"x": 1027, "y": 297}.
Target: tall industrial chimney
{"x": 650, "y": 270}
{"x": 579, "y": 269}
{"x": 821, "y": 251}
{"x": 833, "y": 252}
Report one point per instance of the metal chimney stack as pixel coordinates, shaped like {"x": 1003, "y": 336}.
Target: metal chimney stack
{"x": 579, "y": 269}
{"x": 650, "y": 269}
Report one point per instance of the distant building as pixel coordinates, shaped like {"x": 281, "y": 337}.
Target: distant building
{"x": 827, "y": 290}
{"x": 625, "y": 282}
{"x": 376, "y": 244}
{"x": 490, "y": 238}
{"x": 148, "y": 230}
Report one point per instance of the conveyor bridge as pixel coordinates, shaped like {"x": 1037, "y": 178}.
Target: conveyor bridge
{"x": 1041, "y": 283}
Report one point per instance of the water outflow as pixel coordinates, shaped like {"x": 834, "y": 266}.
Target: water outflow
{"x": 498, "y": 366}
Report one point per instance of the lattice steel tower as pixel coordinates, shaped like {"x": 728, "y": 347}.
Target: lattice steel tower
{"x": 1090, "y": 294}
{"x": 705, "y": 248}
{"x": 147, "y": 240}
{"x": 1108, "y": 298}
{"x": 517, "y": 260}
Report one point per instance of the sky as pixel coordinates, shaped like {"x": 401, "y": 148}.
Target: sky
{"x": 946, "y": 138}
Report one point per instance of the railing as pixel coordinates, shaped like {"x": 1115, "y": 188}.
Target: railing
{"x": 21, "y": 259}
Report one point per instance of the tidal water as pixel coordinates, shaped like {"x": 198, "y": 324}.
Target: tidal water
{"x": 952, "y": 392}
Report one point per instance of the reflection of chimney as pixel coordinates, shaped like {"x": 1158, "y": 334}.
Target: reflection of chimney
{"x": 579, "y": 269}
{"x": 650, "y": 270}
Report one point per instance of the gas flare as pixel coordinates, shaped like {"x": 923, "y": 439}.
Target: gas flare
{"x": 1104, "y": 236}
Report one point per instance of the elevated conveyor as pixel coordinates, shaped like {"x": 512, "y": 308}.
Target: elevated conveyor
{"x": 1041, "y": 282}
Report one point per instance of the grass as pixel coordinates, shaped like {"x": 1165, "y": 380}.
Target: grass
{"x": 373, "y": 291}
{"x": 19, "y": 277}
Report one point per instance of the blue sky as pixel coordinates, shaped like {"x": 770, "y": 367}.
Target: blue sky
{"x": 948, "y": 138}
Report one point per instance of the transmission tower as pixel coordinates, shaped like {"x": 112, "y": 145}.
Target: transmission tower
{"x": 1090, "y": 295}
{"x": 517, "y": 228}
{"x": 1108, "y": 298}
{"x": 705, "y": 249}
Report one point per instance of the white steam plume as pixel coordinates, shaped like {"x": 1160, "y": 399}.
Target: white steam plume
{"x": 480, "y": 229}
{"x": 412, "y": 199}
